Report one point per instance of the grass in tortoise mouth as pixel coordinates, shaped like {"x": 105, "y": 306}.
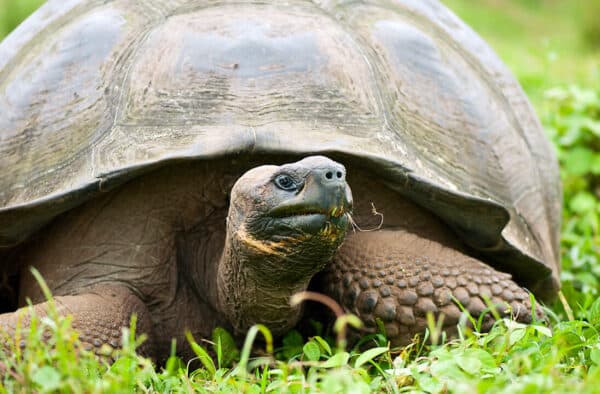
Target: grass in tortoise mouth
{"x": 336, "y": 213}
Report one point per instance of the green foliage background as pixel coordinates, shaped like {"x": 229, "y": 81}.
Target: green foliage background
{"x": 12, "y": 12}
{"x": 553, "y": 48}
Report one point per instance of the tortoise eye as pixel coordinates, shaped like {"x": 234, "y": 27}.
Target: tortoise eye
{"x": 285, "y": 182}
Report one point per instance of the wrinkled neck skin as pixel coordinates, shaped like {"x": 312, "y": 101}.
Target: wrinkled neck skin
{"x": 256, "y": 278}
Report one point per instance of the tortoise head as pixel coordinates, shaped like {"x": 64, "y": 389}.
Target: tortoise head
{"x": 284, "y": 225}
{"x": 286, "y": 222}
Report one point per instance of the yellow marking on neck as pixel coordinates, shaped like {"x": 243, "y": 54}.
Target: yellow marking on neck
{"x": 280, "y": 248}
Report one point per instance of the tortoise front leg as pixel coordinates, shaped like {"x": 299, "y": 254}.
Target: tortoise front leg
{"x": 98, "y": 317}
{"x": 399, "y": 277}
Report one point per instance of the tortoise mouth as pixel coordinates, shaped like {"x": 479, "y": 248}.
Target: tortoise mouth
{"x": 311, "y": 221}
{"x": 307, "y": 219}
{"x": 287, "y": 212}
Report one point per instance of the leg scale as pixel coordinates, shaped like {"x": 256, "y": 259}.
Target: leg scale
{"x": 399, "y": 277}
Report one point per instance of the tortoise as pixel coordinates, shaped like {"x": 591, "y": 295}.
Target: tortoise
{"x": 199, "y": 162}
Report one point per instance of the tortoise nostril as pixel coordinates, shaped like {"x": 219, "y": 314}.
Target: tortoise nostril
{"x": 339, "y": 174}
{"x": 329, "y": 175}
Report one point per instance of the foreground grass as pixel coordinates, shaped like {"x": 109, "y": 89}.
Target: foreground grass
{"x": 511, "y": 358}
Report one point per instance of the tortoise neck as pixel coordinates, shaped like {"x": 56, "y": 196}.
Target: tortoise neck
{"x": 248, "y": 295}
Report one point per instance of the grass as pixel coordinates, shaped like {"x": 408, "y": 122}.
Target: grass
{"x": 557, "y": 61}
{"x": 511, "y": 358}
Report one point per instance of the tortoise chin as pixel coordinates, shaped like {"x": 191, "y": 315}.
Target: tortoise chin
{"x": 310, "y": 238}
{"x": 308, "y": 241}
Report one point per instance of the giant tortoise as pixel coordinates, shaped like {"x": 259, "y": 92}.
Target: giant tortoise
{"x": 143, "y": 148}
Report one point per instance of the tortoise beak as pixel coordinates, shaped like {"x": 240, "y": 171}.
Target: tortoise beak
{"x": 325, "y": 192}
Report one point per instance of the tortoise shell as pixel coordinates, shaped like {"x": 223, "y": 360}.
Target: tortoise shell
{"x": 95, "y": 93}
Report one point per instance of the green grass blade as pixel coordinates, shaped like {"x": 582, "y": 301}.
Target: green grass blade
{"x": 369, "y": 355}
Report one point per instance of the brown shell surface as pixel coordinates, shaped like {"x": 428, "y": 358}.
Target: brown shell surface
{"x": 94, "y": 92}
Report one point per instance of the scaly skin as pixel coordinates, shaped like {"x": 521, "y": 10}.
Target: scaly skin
{"x": 398, "y": 277}
{"x": 99, "y": 314}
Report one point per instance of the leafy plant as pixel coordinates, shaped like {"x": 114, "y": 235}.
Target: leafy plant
{"x": 572, "y": 118}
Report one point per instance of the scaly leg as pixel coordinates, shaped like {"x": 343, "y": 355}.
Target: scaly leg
{"x": 98, "y": 317}
{"x": 399, "y": 277}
